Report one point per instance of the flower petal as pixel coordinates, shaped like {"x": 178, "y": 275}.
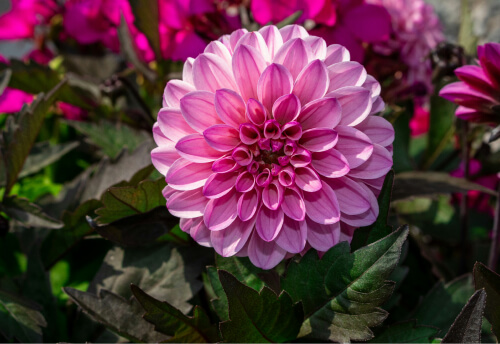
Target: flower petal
{"x": 200, "y": 233}
{"x": 286, "y": 108}
{"x": 321, "y": 113}
{"x": 198, "y": 110}
{"x": 269, "y": 223}
{"x": 256, "y": 113}
{"x": 248, "y": 65}
{"x": 352, "y": 197}
{"x": 231, "y": 240}
{"x": 248, "y": 204}
{"x": 255, "y": 40}
{"x": 366, "y": 218}
{"x": 378, "y": 129}
{"x": 293, "y": 204}
{"x": 293, "y": 31}
{"x": 343, "y": 74}
{"x": 221, "y": 212}
{"x": 308, "y": 91}
{"x": 173, "y": 125}
{"x": 307, "y": 179}
{"x": 219, "y": 184}
{"x": 274, "y": 82}
{"x": 292, "y": 237}
{"x": 272, "y": 37}
{"x": 318, "y": 46}
{"x": 174, "y": 91}
{"x": 222, "y": 137}
{"x": 211, "y": 73}
{"x": 194, "y": 148}
{"x": 330, "y": 163}
{"x": 219, "y": 49}
{"x": 336, "y": 53}
{"x": 356, "y": 103}
{"x": 265, "y": 255}
{"x": 354, "y": 145}
{"x": 322, "y": 206}
{"x": 294, "y": 55}
{"x": 319, "y": 139}
{"x": 322, "y": 237}
{"x": 376, "y": 166}
{"x": 272, "y": 195}
{"x": 187, "y": 175}
{"x": 163, "y": 157}
{"x": 187, "y": 71}
{"x": 187, "y": 204}
{"x": 230, "y": 107}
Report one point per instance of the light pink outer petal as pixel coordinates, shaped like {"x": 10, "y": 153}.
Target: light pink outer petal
{"x": 336, "y": 53}
{"x": 272, "y": 37}
{"x": 230, "y": 107}
{"x": 330, "y": 163}
{"x": 344, "y": 74}
{"x": 293, "y": 204}
{"x": 269, "y": 223}
{"x": 173, "y": 125}
{"x": 378, "y": 129}
{"x": 366, "y": 218}
{"x": 354, "y": 145}
{"x": 200, "y": 233}
{"x": 255, "y": 40}
{"x": 164, "y": 156}
{"x": 188, "y": 204}
{"x": 352, "y": 197}
{"x": 174, "y": 91}
{"x": 221, "y": 212}
{"x": 307, "y": 179}
{"x": 308, "y": 91}
{"x": 211, "y": 73}
{"x": 194, "y": 148}
{"x": 322, "y": 206}
{"x": 219, "y": 184}
{"x": 222, "y": 137}
{"x": 159, "y": 137}
{"x": 187, "y": 71}
{"x": 293, "y": 31}
{"x": 187, "y": 175}
{"x": 274, "y": 82}
{"x": 286, "y": 108}
{"x": 265, "y": 255}
{"x": 219, "y": 49}
{"x": 322, "y": 237}
{"x": 378, "y": 165}
{"x": 231, "y": 240}
{"x": 318, "y": 47}
{"x": 294, "y": 55}
{"x": 248, "y": 204}
{"x": 248, "y": 65}
{"x": 321, "y": 113}
{"x": 198, "y": 110}
{"x": 292, "y": 237}
{"x": 318, "y": 139}
{"x": 356, "y": 103}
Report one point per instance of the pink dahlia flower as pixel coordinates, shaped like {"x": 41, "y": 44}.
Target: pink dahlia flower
{"x": 478, "y": 92}
{"x": 270, "y": 145}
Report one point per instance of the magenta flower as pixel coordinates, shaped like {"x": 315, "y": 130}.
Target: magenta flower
{"x": 270, "y": 145}
{"x": 478, "y": 92}
{"x": 12, "y": 100}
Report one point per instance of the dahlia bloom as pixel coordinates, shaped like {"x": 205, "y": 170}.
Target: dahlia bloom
{"x": 270, "y": 145}
{"x": 478, "y": 92}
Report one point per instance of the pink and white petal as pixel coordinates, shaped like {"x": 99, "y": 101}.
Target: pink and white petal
{"x": 354, "y": 145}
{"x": 352, "y": 197}
{"x": 174, "y": 91}
{"x": 376, "y": 166}
{"x": 163, "y": 157}
{"x": 186, "y": 224}
{"x": 188, "y": 204}
{"x": 356, "y": 103}
{"x": 322, "y": 237}
{"x": 293, "y": 204}
{"x": 211, "y": 72}
{"x": 294, "y": 55}
{"x": 194, "y": 148}
{"x": 272, "y": 195}
{"x": 225, "y": 164}
{"x": 187, "y": 71}
{"x": 222, "y": 137}
{"x": 200, "y": 233}
{"x": 235, "y": 37}
{"x": 248, "y": 65}
{"x": 219, "y": 49}
{"x": 255, "y": 40}
{"x": 378, "y": 129}
{"x": 198, "y": 110}
{"x": 230, "y": 107}
{"x": 321, "y": 113}
{"x": 173, "y": 125}
{"x": 322, "y": 206}
{"x": 187, "y": 175}
{"x": 330, "y": 163}
{"x": 346, "y": 232}
{"x": 307, "y": 91}
{"x": 159, "y": 137}
{"x": 256, "y": 113}
{"x": 373, "y": 85}
{"x": 265, "y": 255}
{"x": 269, "y": 223}
{"x": 167, "y": 192}
{"x": 272, "y": 37}
{"x": 286, "y": 108}
{"x": 274, "y": 82}
{"x": 344, "y": 74}
{"x": 307, "y": 179}
{"x": 293, "y": 31}
{"x": 219, "y": 184}
{"x": 318, "y": 139}
{"x": 231, "y": 240}
{"x": 336, "y": 53}
{"x": 293, "y": 235}
{"x": 248, "y": 204}
{"x": 366, "y": 218}
{"x": 318, "y": 47}
{"x": 221, "y": 212}
{"x": 378, "y": 105}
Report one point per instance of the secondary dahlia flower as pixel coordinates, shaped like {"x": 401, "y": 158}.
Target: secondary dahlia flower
{"x": 478, "y": 92}
{"x": 270, "y": 145}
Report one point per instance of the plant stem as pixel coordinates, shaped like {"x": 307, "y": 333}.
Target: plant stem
{"x": 494, "y": 251}
{"x": 464, "y": 209}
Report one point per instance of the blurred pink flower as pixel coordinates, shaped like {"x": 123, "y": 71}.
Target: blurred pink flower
{"x": 271, "y": 143}
{"x": 72, "y": 112}
{"x": 266, "y": 11}
{"x": 478, "y": 92}
{"x": 477, "y": 199}
{"x": 12, "y": 100}
{"x": 20, "y": 22}
{"x": 419, "y": 123}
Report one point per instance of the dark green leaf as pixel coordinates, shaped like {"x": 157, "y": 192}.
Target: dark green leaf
{"x": 258, "y": 317}
{"x": 20, "y": 134}
{"x": 169, "y": 320}
{"x": 120, "y": 202}
{"x": 116, "y": 313}
{"x": 217, "y": 295}
{"x": 414, "y": 184}
{"x": 402, "y": 160}
{"x": 490, "y": 281}
{"x": 99, "y": 68}
{"x": 291, "y": 19}
{"x": 20, "y": 319}
{"x": 146, "y": 20}
{"x": 444, "y": 302}
{"x": 28, "y": 213}
{"x": 43, "y": 154}
{"x": 406, "y": 332}
{"x": 305, "y": 280}
{"x": 357, "y": 286}
{"x": 467, "y": 326}
{"x": 441, "y": 128}
{"x": 242, "y": 269}
{"x": 165, "y": 272}
{"x": 111, "y": 137}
